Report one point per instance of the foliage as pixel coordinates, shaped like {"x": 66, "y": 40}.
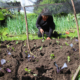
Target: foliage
{"x": 66, "y": 43}
{"x": 28, "y": 70}
{"x": 52, "y": 56}
{"x": 68, "y": 58}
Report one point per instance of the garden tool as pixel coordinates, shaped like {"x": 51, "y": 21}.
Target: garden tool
{"x": 58, "y": 68}
{"x": 43, "y": 35}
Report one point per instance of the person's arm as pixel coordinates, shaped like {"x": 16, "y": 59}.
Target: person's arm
{"x": 51, "y": 26}
{"x": 38, "y": 22}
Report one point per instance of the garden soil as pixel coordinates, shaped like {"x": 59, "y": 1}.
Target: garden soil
{"x": 40, "y": 67}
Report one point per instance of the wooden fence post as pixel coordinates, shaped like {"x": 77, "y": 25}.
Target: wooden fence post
{"x": 76, "y": 24}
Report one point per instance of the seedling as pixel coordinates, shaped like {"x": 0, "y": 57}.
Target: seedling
{"x": 34, "y": 74}
{"x": 34, "y": 45}
{"x": 13, "y": 48}
{"x": 16, "y": 42}
{"x": 57, "y": 42}
{"x": 61, "y": 47}
{"x": 68, "y": 58}
{"x": 25, "y": 51}
{"x": 66, "y": 43}
{"x": 41, "y": 48}
{"x": 8, "y": 46}
{"x": 43, "y": 40}
{"x": 25, "y": 44}
{"x": 58, "y": 37}
{"x": 28, "y": 70}
{"x": 52, "y": 56}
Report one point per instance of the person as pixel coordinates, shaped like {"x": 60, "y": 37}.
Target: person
{"x": 45, "y": 24}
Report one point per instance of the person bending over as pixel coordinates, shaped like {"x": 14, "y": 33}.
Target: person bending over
{"x": 45, "y": 24}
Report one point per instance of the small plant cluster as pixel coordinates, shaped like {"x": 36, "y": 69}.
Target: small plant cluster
{"x": 66, "y": 43}
{"x": 52, "y": 56}
{"x": 68, "y": 58}
{"x": 28, "y": 70}
{"x": 41, "y": 48}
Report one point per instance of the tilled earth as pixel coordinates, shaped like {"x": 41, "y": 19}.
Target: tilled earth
{"x": 42, "y": 67}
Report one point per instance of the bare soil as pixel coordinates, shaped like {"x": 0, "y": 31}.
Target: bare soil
{"x": 41, "y": 65}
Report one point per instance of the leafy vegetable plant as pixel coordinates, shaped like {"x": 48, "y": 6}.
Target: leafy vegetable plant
{"x": 68, "y": 58}
{"x": 28, "y": 70}
{"x": 66, "y": 43}
{"x": 52, "y": 56}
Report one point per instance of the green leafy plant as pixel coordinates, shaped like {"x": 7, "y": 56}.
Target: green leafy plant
{"x": 52, "y": 56}
{"x": 16, "y": 42}
{"x": 43, "y": 40}
{"x": 13, "y": 48}
{"x": 68, "y": 58}
{"x": 57, "y": 42}
{"x": 41, "y": 48}
{"x": 66, "y": 43}
{"x": 28, "y": 70}
{"x": 25, "y": 51}
{"x": 34, "y": 74}
{"x": 34, "y": 45}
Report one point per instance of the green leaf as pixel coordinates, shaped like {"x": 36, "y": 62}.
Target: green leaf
{"x": 26, "y": 69}
{"x": 1, "y": 16}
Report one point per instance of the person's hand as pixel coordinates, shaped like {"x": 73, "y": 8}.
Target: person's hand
{"x": 48, "y": 38}
{"x": 41, "y": 30}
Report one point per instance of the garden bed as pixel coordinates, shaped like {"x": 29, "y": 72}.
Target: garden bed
{"x": 41, "y": 67}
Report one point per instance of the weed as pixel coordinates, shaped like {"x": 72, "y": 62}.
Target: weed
{"x": 68, "y": 58}
{"x": 28, "y": 70}
{"x": 52, "y": 56}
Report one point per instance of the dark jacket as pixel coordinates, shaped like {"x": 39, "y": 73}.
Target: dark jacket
{"x": 47, "y": 25}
